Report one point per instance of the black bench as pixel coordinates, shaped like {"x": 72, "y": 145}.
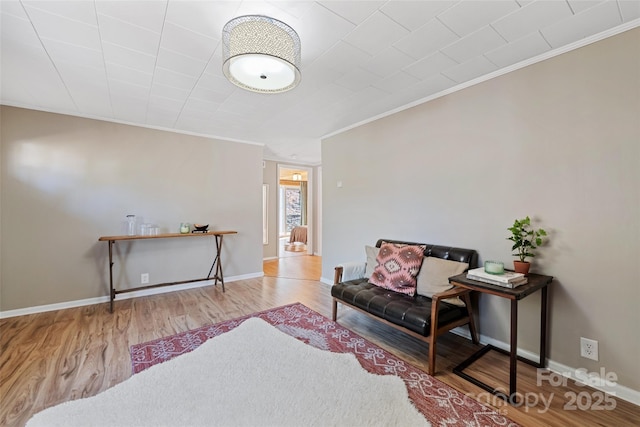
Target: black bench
{"x": 419, "y": 316}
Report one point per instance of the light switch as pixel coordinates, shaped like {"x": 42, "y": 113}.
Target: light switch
{"x": 339, "y": 184}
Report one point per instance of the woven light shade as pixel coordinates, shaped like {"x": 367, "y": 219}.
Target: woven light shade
{"x": 261, "y": 54}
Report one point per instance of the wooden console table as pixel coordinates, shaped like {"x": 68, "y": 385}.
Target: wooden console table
{"x": 536, "y": 282}
{"x": 217, "y": 263}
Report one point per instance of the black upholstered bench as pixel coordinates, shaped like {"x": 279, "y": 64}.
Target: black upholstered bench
{"x": 422, "y": 317}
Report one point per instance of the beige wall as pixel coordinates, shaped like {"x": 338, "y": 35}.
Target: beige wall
{"x": 67, "y": 181}
{"x": 559, "y": 141}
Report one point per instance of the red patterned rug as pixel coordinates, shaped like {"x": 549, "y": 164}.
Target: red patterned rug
{"x": 438, "y": 402}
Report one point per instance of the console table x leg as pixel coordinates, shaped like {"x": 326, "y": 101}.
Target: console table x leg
{"x": 217, "y": 264}
{"x": 112, "y": 291}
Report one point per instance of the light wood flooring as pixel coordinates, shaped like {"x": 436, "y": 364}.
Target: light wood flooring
{"x": 53, "y": 357}
{"x": 304, "y": 267}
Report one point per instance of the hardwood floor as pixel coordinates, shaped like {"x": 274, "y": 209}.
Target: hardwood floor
{"x": 53, "y": 357}
{"x": 306, "y": 267}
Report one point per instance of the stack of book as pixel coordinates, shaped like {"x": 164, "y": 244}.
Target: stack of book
{"x": 508, "y": 279}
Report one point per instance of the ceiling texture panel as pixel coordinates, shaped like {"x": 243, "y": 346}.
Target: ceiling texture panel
{"x": 158, "y": 63}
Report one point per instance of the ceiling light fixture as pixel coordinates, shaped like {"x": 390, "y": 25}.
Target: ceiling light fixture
{"x": 261, "y": 54}
{"x": 297, "y": 176}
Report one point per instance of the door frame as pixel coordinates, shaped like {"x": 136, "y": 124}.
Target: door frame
{"x": 310, "y": 205}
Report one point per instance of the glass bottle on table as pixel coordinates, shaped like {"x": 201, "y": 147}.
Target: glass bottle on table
{"x": 131, "y": 225}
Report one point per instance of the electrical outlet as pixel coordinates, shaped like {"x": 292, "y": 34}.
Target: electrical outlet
{"x": 589, "y": 348}
{"x": 144, "y": 278}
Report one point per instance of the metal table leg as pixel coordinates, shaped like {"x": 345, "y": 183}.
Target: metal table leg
{"x": 512, "y": 353}
{"x": 543, "y": 328}
{"x": 112, "y": 292}
{"x": 513, "y": 350}
{"x": 217, "y": 263}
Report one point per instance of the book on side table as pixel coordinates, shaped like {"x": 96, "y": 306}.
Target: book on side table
{"x": 508, "y": 279}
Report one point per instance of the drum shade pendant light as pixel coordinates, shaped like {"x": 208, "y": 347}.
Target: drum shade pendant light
{"x": 261, "y": 54}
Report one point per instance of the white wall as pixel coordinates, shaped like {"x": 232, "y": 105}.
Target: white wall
{"x": 67, "y": 181}
{"x": 318, "y": 213}
{"x": 270, "y": 177}
{"x": 559, "y": 141}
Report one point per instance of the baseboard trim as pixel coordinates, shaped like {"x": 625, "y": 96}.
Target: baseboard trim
{"x": 576, "y": 374}
{"x": 135, "y": 294}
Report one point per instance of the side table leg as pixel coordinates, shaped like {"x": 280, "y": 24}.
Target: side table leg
{"x": 513, "y": 357}
{"x": 543, "y": 328}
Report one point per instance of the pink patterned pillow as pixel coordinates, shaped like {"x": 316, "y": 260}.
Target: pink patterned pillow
{"x": 398, "y": 266}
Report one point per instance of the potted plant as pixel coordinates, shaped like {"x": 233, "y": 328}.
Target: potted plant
{"x": 525, "y": 240}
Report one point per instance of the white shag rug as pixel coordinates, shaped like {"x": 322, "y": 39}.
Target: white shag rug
{"x": 254, "y": 375}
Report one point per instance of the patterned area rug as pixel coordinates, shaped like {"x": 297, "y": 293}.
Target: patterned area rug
{"x": 438, "y": 402}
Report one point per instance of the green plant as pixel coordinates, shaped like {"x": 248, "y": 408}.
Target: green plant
{"x": 525, "y": 238}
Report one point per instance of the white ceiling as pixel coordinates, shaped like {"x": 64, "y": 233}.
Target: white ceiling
{"x": 158, "y": 63}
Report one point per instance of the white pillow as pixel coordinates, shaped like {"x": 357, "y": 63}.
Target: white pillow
{"x": 372, "y": 255}
{"x": 434, "y": 277}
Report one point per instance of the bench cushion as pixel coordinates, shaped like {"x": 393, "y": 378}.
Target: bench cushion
{"x": 413, "y": 313}
{"x": 434, "y": 277}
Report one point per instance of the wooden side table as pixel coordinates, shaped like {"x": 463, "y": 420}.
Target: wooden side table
{"x": 535, "y": 283}
{"x": 217, "y": 263}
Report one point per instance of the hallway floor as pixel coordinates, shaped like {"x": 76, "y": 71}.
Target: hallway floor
{"x": 304, "y": 267}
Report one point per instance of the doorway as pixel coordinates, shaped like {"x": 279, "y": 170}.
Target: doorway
{"x": 295, "y": 211}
